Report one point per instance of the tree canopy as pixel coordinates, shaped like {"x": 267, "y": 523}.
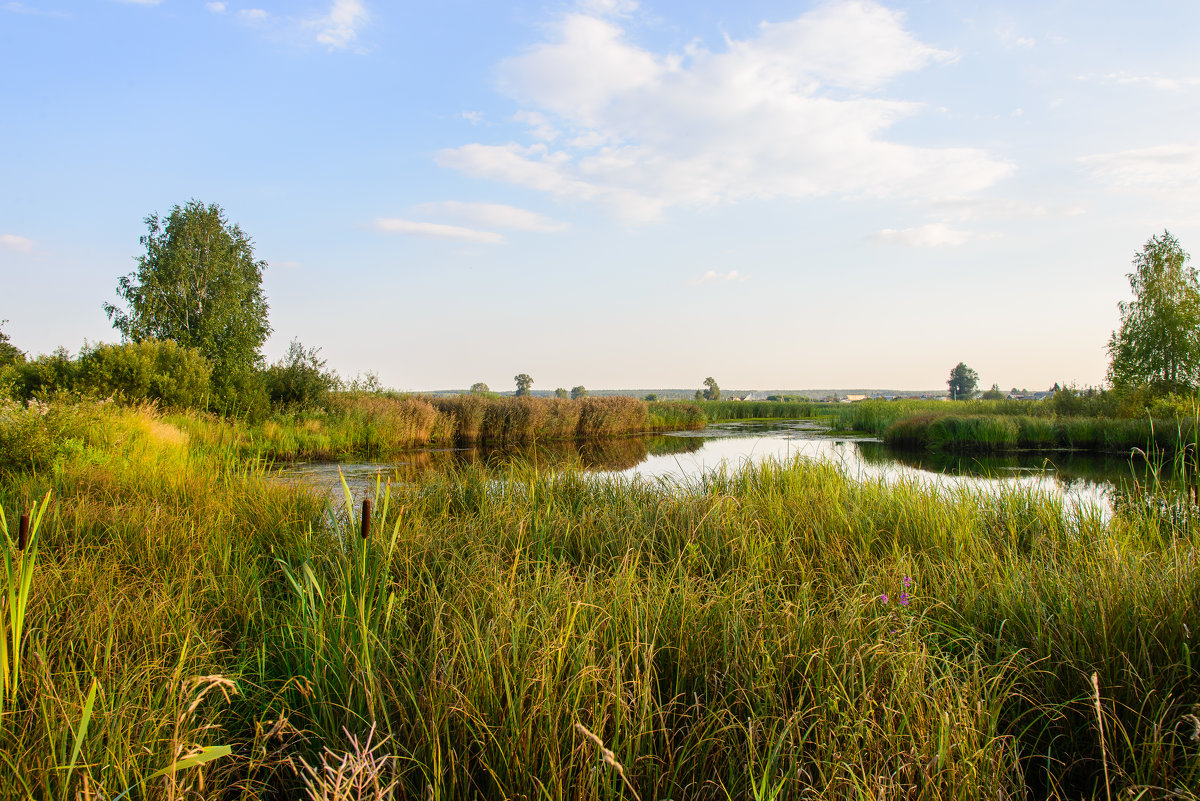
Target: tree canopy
{"x": 9, "y": 353}
{"x": 1158, "y": 342}
{"x": 479, "y": 388}
{"x": 524, "y": 383}
{"x": 712, "y": 391}
{"x": 963, "y": 382}
{"x": 198, "y": 284}
{"x": 578, "y": 392}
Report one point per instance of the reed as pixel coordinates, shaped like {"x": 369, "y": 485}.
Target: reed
{"x": 983, "y": 433}
{"x": 764, "y": 410}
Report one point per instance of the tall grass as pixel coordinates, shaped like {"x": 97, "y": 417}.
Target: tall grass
{"x": 373, "y": 424}
{"x": 989, "y": 433}
{"x": 764, "y": 410}
{"x": 780, "y": 631}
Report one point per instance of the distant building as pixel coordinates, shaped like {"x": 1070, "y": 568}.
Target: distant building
{"x": 853, "y": 398}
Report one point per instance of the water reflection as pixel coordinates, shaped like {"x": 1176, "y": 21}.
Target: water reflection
{"x": 1079, "y": 478}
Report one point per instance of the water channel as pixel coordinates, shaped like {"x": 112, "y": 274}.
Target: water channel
{"x": 680, "y": 456}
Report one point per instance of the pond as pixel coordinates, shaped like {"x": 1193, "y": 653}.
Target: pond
{"x": 1078, "y": 478}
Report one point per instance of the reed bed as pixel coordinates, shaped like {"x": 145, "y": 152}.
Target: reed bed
{"x": 764, "y": 410}
{"x": 374, "y": 424}
{"x": 991, "y": 433}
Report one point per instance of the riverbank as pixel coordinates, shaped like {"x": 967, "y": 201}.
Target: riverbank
{"x": 780, "y": 630}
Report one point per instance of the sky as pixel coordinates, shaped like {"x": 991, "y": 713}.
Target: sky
{"x": 611, "y": 193}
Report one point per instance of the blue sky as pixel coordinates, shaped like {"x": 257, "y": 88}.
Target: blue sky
{"x": 610, "y": 193}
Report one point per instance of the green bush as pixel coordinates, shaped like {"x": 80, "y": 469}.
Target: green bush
{"x": 43, "y": 377}
{"x": 300, "y": 379}
{"x": 161, "y": 371}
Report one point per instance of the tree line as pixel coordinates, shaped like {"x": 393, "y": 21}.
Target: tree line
{"x": 193, "y": 319}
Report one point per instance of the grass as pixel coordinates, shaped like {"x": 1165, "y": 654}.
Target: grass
{"x": 952, "y": 433}
{"x": 764, "y": 410}
{"x": 776, "y": 632}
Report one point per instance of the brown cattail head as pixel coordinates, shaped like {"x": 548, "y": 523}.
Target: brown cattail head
{"x": 366, "y": 518}
{"x": 23, "y": 532}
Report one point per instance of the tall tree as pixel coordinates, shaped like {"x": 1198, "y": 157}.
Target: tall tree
{"x": 524, "y": 382}
{"x": 579, "y": 392}
{"x": 479, "y": 388}
{"x": 198, "y": 284}
{"x": 712, "y": 391}
{"x": 1158, "y": 343}
{"x": 963, "y": 382}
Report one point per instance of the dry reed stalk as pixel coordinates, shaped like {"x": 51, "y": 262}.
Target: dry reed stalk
{"x": 1100, "y": 723}
{"x": 610, "y": 758}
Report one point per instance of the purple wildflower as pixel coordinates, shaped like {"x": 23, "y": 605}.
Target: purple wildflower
{"x": 908, "y": 582}
{"x": 883, "y": 597}
{"x": 905, "y": 598}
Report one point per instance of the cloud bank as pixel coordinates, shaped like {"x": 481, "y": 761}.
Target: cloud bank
{"x": 794, "y": 111}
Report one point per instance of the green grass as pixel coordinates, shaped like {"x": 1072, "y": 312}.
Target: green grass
{"x": 954, "y": 433}
{"x": 725, "y": 639}
{"x": 764, "y": 410}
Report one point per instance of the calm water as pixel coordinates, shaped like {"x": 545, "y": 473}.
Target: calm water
{"x": 1078, "y": 478}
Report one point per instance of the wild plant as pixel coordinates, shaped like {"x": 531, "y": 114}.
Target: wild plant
{"x": 20, "y": 556}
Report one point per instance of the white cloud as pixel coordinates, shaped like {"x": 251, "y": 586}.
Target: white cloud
{"x": 619, "y": 8}
{"x": 714, "y": 277}
{"x": 17, "y": 243}
{"x": 473, "y": 117}
{"x": 21, "y": 8}
{"x": 493, "y": 215}
{"x": 339, "y": 28}
{"x": 436, "y": 231}
{"x": 962, "y": 209}
{"x": 539, "y": 126}
{"x": 1152, "y": 81}
{"x": 932, "y": 235}
{"x": 216, "y": 8}
{"x": 790, "y": 112}
{"x": 1171, "y": 170}
{"x": 253, "y": 14}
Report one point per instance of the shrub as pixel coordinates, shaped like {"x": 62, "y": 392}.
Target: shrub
{"x": 300, "y": 379}
{"x": 161, "y": 371}
{"x": 45, "y": 376}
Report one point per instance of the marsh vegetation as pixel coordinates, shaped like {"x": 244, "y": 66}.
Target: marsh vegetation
{"x": 777, "y": 631}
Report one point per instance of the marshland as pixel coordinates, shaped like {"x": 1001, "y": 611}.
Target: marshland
{"x": 267, "y": 532}
{"x": 191, "y": 625}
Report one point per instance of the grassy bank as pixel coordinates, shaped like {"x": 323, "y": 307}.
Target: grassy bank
{"x": 996, "y": 426}
{"x": 981, "y": 433}
{"x": 780, "y": 632}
